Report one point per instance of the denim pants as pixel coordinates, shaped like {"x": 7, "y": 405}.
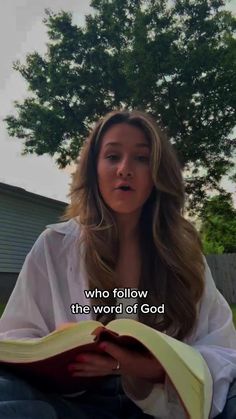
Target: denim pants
{"x": 229, "y": 411}
{"x": 20, "y": 400}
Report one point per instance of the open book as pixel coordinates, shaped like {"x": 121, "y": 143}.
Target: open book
{"x": 45, "y": 360}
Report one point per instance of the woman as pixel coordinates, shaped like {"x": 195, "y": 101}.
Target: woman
{"x": 125, "y": 229}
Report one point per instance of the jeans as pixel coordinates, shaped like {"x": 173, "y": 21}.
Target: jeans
{"x": 229, "y": 411}
{"x": 20, "y": 400}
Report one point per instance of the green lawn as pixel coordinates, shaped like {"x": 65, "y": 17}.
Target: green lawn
{"x": 233, "y": 307}
{"x": 1, "y": 308}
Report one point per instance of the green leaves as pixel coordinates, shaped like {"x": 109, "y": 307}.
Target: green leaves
{"x": 218, "y": 229}
{"x": 177, "y": 62}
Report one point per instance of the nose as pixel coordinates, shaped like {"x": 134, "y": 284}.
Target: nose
{"x": 124, "y": 170}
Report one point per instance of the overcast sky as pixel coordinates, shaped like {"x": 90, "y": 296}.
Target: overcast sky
{"x": 21, "y": 32}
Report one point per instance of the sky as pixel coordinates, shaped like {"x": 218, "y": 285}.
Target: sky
{"x": 21, "y": 32}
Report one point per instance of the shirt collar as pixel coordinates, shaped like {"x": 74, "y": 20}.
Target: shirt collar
{"x": 70, "y": 227}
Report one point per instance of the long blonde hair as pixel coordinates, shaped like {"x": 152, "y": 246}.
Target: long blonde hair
{"x": 172, "y": 261}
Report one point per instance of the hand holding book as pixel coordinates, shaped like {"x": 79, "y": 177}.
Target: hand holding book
{"x": 142, "y": 352}
{"x": 132, "y": 363}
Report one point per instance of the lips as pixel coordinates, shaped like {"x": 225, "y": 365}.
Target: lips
{"x": 124, "y": 187}
{"x": 124, "y": 190}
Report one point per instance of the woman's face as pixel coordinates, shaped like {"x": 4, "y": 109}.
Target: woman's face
{"x": 124, "y": 158}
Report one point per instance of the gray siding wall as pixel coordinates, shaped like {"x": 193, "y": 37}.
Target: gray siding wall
{"x": 7, "y": 283}
{"x": 21, "y": 222}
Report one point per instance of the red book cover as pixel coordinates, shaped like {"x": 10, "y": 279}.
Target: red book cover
{"x": 52, "y": 373}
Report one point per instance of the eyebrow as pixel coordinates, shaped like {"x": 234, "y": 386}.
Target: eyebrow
{"x": 138, "y": 145}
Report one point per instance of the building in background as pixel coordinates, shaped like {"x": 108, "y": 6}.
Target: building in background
{"x": 23, "y": 216}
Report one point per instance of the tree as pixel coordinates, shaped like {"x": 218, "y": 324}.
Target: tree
{"x": 218, "y": 229}
{"x": 177, "y": 62}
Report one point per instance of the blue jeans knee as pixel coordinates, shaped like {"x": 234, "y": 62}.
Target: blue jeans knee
{"x": 18, "y": 399}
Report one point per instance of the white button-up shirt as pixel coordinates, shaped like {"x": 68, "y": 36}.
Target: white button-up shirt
{"x": 53, "y": 277}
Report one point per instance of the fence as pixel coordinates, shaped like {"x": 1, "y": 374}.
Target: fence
{"x": 223, "y": 269}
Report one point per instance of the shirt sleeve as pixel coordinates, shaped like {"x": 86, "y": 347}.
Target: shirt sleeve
{"x": 162, "y": 402}
{"x": 215, "y": 338}
{"x": 28, "y": 311}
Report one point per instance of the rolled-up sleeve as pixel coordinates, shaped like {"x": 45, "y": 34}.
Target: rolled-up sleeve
{"x": 216, "y": 341}
{"x": 214, "y": 337}
{"x": 29, "y": 307}
{"x": 162, "y": 402}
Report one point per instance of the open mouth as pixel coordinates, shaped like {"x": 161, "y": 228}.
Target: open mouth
{"x": 124, "y": 189}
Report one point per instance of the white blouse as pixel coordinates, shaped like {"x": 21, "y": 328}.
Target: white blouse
{"x": 53, "y": 277}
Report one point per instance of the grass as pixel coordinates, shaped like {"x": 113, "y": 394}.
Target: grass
{"x": 233, "y": 308}
{"x": 2, "y": 306}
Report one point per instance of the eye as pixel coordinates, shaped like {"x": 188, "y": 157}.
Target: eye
{"x": 115, "y": 157}
{"x": 143, "y": 158}
{"x": 112, "y": 157}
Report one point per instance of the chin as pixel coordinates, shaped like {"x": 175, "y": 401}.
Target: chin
{"x": 125, "y": 210}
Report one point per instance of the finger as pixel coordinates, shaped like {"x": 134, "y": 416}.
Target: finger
{"x": 148, "y": 366}
{"x": 89, "y": 374}
{"x": 88, "y": 370}
{"x": 79, "y": 367}
{"x": 114, "y": 351}
{"x": 93, "y": 363}
{"x": 95, "y": 360}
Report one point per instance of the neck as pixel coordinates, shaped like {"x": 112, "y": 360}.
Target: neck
{"x": 128, "y": 227}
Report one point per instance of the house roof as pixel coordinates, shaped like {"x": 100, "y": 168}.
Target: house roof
{"x": 30, "y": 196}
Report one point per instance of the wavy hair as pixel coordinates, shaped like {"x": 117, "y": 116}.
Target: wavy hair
{"x": 172, "y": 266}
